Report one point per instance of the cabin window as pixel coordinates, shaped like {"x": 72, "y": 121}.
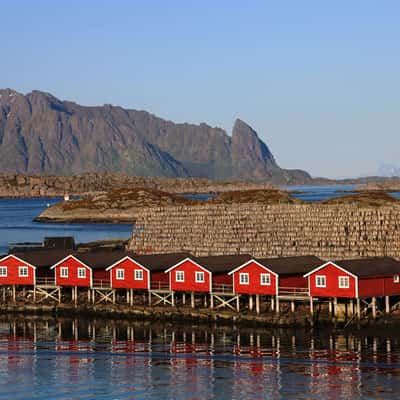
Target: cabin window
{"x": 23, "y": 271}
{"x": 265, "y": 279}
{"x": 244, "y": 278}
{"x": 396, "y": 278}
{"x": 138, "y": 274}
{"x": 199, "y": 277}
{"x": 344, "y": 282}
{"x": 64, "y": 272}
{"x": 3, "y": 271}
{"x": 180, "y": 276}
{"x": 81, "y": 272}
{"x": 320, "y": 281}
{"x": 120, "y": 273}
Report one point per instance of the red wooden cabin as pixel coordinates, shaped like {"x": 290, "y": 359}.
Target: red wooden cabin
{"x": 361, "y": 278}
{"x": 220, "y": 266}
{"x": 189, "y": 276}
{"x": 15, "y": 271}
{"x": 291, "y": 271}
{"x": 71, "y": 271}
{"x": 128, "y": 273}
{"x": 253, "y": 277}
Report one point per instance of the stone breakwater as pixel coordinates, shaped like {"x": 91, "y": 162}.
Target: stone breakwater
{"x": 327, "y": 231}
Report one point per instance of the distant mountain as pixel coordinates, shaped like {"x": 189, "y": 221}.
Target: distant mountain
{"x": 40, "y": 134}
{"x": 388, "y": 170}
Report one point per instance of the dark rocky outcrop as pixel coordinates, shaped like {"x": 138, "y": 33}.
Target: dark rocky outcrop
{"x": 40, "y": 134}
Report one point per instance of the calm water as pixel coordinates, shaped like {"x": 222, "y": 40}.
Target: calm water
{"x": 66, "y": 359}
{"x": 16, "y": 224}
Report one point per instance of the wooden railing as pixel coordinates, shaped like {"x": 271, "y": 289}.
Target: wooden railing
{"x": 101, "y": 283}
{"x": 158, "y": 285}
{"x": 222, "y": 288}
{"x": 293, "y": 291}
{"x": 45, "y": 281}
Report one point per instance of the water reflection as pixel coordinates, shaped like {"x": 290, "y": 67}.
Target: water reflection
{"x": 70, "y": 358}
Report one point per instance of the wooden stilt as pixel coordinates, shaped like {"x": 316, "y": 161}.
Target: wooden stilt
{"x": 257, "y": 303}
{"x": 149, "y": 298}
{"x": 192, "y": 299}
{"x": 374, "y": 307}
{"x": 205, "y": 301}
{"x": 358, "y": 309}
{"x": 211, "y": 301}
{"x": 250, "y": 302}
{"x": 272, "y": 303}
{"x": 76, "y": 295}
{"x": 113, "y": 296}
{"x": 128, "y": 300}
{"x": 330, "y": 308}
{"x": 4, "y": 294}
{"x": 237, "y": 304}
{"x": 292, "y": 306}
{"x": 13, "y": 293}
{"x": 387, "y": 304}
{"x": 183, "y": 298}
{"x": 311, "y": 306}
{"x": 351, "y": 308}
{"x": 335, "y": 307}
{"x": 173, "y": 298}
{"x": 277, "y": 305}
{"x": 131, "y": 297}
{"x": 34, "y": 294}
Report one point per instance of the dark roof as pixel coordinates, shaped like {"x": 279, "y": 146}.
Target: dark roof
{"x": 101, "y": 259}
{"x": 372, "y": 266}
{"x": 43, "y": 258}
{"x": 222, "y": 263}
{"x": 298, "y": 265}
{"x": 160, "y": 262}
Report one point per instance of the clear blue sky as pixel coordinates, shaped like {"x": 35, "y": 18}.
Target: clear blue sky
{"x": 319, "y": 80}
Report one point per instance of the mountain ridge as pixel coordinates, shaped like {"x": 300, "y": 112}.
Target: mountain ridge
{"x": 41, "y": 134}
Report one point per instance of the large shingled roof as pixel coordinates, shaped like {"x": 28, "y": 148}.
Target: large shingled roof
{"x": 372, "y": 266}
{"x": 291, "y": 265}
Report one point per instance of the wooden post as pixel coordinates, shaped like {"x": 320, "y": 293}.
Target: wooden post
{"x": 250, "y": 302}
{"x": 211, "y": 300}
{"x": 272, "y": 303}
{"x": 257, "y": 303}
{"x": 192, "y": 299}
{"x": 149, "y": 298}
{"x": 387, "y": 305}
{"x": 59, "y": 294}
{"x": 292, "y": 306}
{"x": 358, "y": 309}
{"x": 34, "y": 294}
{"x": 131, "y": 297}
{"x": 173, "y": 298}
{"x": 311, "y": 306}
{"x": 351, "y": 308}
{"x": 335, "y": 311}
{"x": 205, "y": 301}
{"x": 183, "y": 298}
{"x": 237, "y": 303}
{"x": 330, "y": 308}
{"x": 76, "y": 295}
{"x": 113, "y": 296}
{"x": 4, "y": 294}
{"x": 374, "y": 307}
{"x": 13, "y": 293}
{"x": 277, "y": 305}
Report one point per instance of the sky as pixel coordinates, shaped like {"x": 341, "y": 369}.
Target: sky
{"x": 319, "y": 81}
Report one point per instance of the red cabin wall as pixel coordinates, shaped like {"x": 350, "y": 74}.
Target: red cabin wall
{"x": 12, "y": 277}
{"x": 159, "y": 280}
{"x": 100, "y": 276}
{"x": 293, "y": 282}
{"x": 254, "y": 287}
{"x": 72, "y": 279}
{"x": 189, "y": 285}
{"x": 129, "y": 281}
{"x": 332, "y": 289}
{"x": 378, "y": 286}
{"x": 222, "y": 279}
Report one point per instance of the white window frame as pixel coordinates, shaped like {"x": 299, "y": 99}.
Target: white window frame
{"x": 80, "y": 269}
{"x": 344, "y": 282}
{"x": 244, "y": 278}
{"x": 319, "y": 284}
{"x": 3, "y": 271}
{"x": 200, "y": 277}
{"x": 139, "y": 275}
{"x": 120, "y": 274}
{"x": 396, "y": 278}
{"x": 181, "y": 275}
{"x": 64, "y": 272}
{"x": 267, "y": 277}
{"x": 21, "y": 271}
